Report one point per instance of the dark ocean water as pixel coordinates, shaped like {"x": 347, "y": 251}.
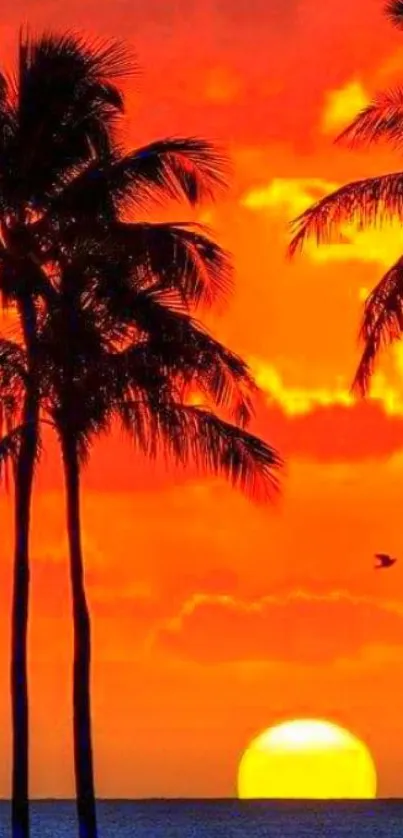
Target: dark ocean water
{"x": 220, "y": 819}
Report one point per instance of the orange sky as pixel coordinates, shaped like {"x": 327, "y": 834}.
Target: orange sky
{"x": 214, "y": 618}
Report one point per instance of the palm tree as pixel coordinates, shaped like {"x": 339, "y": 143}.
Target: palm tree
{"x": 64, "y": 175}
{"x": 367, "y": 202}
{"x": 61, "y": 168}
{"x": 141, "y": 366}
{"x": 55, "y": 111}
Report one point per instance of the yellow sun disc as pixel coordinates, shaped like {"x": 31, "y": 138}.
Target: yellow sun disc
{"x": 307, "y": 759}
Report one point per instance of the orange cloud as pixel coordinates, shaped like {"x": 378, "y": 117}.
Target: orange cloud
{"x": 297, "y": 400}
{"x": 329, "y": 424}
{"x": 334, "y": 433}
{"x": 291, "y": 196}
{"x": 287, "y": 198}
{"x": 300, "y": 628}
{"x": 342, "y": 105}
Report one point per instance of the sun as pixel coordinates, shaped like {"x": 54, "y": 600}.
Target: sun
{"x": 307, "y": 759}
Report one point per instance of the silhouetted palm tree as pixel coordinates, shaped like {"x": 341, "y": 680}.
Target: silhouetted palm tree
{"x": 139, "y": 357}
{"x": 54, "y": 116}
{"x": 63, "y": 178}
{"x": 367, "y": 202}
{"x": 61, "y": 167}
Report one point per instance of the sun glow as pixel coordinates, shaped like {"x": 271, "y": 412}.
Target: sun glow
{"x": 308, "y": 759}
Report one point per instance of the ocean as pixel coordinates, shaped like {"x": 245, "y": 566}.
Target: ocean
{"x": 220, "y": 819}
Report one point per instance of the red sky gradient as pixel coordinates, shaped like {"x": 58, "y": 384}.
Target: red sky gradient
{"x": 214, "y": 618}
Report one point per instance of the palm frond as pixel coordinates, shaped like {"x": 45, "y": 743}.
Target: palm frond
{"x": 13, "y": 377}
{"x": 180, "y": 257}
{"x": 382, "y": 323}
{"x": 8, "y": 126}
{"x": 13, "y": 369}
{"x": 105, "y": 59}
{"x": 178, "y": 260}
{"x": 178, "y": 354}
{"x": 195, "y": 436}
{"x": 185, "y": 350}
{"x": 86, "y": 61}
{"x": 394, "y": 11}
{"x": 178, "y": 168}
{"x": 66, "y": 111}
{"x": 364, "y": 202}
{"x": 382, "y": 119}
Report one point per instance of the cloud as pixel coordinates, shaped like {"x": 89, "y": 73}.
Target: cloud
{"x": 296, "y": 400}
{"x": 300, "y": 628}
{"x": 328, "y": 424}
{"x": 333, "y": 433}
{"x": 383, "y": 246}
{"x": 342, "y": 106}
{"x": 286, "y": 198}
{"x": 290, "y": 195}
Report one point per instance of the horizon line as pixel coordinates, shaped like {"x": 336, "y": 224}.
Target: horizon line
{"x": 232, "y": 799}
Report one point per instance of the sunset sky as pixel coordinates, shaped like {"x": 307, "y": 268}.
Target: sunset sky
{"x": 213, "y": 617}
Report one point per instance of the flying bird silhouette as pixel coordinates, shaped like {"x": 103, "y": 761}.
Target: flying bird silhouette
{"x": 384, "y": 561}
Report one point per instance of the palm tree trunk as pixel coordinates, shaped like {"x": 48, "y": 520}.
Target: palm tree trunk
{"x": 23, "y": 482}
{"x": 19, "y": 676}
{"x": 83, "y": 761}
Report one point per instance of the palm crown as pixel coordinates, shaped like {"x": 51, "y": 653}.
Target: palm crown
{"x": 137, "y": 356}
{"x": 367, "y": 202}
{"x": 65, "y": 183}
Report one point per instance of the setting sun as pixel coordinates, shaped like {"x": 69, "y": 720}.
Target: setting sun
{"x": 307, "y": 758}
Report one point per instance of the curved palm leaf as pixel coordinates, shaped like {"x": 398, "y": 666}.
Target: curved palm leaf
{"x": 178, "y": 168}
{"x": 193, "y": 435}
{"x": 382, "y": 119}
{"x": 177, "y": 256}
{"x": 180, "y": 339}
{"x": 181, "y": 168}
{"x": 363, "y": 202}
{"x": 191, "y": 363}
{"x": 382, "y": 323}
{"x": 13, "y": 379}
{"x": 13, "y": 383}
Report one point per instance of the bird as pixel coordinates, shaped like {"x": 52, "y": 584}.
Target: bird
{"x": 384, "y": 561}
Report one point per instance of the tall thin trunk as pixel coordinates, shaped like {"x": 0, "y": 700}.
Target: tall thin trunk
{"x": 19, "y": 674}
{"x": 83, "y": 761}
{"x": 23, "y": 474}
